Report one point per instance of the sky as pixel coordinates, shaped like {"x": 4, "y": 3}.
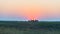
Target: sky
{"x": 21, "y": 10}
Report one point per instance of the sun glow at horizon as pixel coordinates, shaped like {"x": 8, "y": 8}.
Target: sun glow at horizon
{"x": 30, "y": 9}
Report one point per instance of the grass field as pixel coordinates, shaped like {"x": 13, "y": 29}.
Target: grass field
{"x": 19, "y": 27}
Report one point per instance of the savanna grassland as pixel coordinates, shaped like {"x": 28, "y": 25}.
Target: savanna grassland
{"x": 25, "y": 27}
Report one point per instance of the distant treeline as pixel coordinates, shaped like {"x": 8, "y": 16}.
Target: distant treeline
{"x": 30, "y": 25}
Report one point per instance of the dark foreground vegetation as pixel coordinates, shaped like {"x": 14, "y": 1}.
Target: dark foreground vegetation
{"x": 26, "y": 27}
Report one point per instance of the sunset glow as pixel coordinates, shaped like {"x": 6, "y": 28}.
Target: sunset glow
{"x": 29, "y": 9}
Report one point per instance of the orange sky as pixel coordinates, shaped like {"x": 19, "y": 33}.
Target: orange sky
{"x": 30, "y": 8}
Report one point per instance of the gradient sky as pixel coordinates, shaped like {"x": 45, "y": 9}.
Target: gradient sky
{"x": 30, "y": 9}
